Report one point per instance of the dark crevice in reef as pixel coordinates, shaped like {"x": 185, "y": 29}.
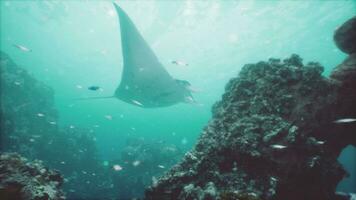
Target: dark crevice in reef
{"x": 273, "y": 135}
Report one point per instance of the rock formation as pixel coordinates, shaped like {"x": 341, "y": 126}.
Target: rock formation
{"x": 273, "y": 136}
{"x": 21, "y": 179}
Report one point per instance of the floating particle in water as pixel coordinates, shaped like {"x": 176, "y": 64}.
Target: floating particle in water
{"x": 79, "y": 87}
{"x": 136, "y": 163}
{"x": 117, "y": 167}
{"x": 141, "y": 69}
{"x": 17, "y": 83}
{"x": 108, "y": 117}
{"x": 63, "y": 163}
{"x": 121, "y": 116}
{"x": 184, "y": 141}
{"x": 278, "y": 146}
{"x": 53, "y": 123}
{"x": 111, "y": 12}
{"x": 32, "y": 140}
{"x": 133, "y": 128}
{"x": 233, "y": 38}
{"x": 84, "y": 172}
{"x": 40, "y": 114}
{"x": 104, "y": 52}
{"x": 96, "y": 126}
{"x": 36, "y": 136}
{"x": 71, "y": 190}
{"x": 94, "y": 139}
{"x": 346, "y": 120}
{"x": 106, "y": 163}
{"x": 173, "y": 133}
{"x": 161, "y": 166}
{"x": 71, "y": 126}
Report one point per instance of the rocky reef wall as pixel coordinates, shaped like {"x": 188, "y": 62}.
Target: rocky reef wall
{"x": 276, "y": 134}
{"x": 22, "y": 179}
{"x": 29, "y": 126}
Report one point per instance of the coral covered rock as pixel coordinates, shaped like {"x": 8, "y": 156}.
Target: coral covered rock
{"x": 29, "y": 126}
{"x": 21, "y": 179}
{"x": 272, "y": 136}
{"x": 345, "y": 36}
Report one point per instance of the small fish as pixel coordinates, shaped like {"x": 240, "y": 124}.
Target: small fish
{"x": 180, "y": 63}
{"x": 94, "y": 88}
{"x": 161, "y": 166}
{"x": 40, "y": 114}
{"x": 136, "y": 163}
{"x": 345, "y": 120}
{"x": 136, "y": 102}
{"x": 320, "y": 142}
{"x": 117, "y": 167}
{"x": 278, "y": 146}
{"x": 53, "y": 123}
{"x": 22, "y": 48}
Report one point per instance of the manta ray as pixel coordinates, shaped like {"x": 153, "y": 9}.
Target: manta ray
{"x": 144, "y": 81}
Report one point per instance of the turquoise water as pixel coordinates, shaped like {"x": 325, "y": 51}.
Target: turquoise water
{"x": 76, "y": 44}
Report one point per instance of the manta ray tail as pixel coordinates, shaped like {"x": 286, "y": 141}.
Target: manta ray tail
{"x": 92, "y": 98}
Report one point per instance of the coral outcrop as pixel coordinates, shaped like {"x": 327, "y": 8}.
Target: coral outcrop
{"x": 345, "y": 36}
{"x": 273, "y": 136}
{"x": 22, "y": 179}
{"x": 29, "y": 126}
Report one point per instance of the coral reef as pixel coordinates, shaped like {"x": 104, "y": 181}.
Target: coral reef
{"x": 272, "y": 136}
{"x": 21, "y": 179}
{"x": 29, "y": 126}
{"x": 28, "y": 116}
{"x": 345, "y": 36}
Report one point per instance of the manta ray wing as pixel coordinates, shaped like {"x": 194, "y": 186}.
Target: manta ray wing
{"x": 144, "y": 82}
